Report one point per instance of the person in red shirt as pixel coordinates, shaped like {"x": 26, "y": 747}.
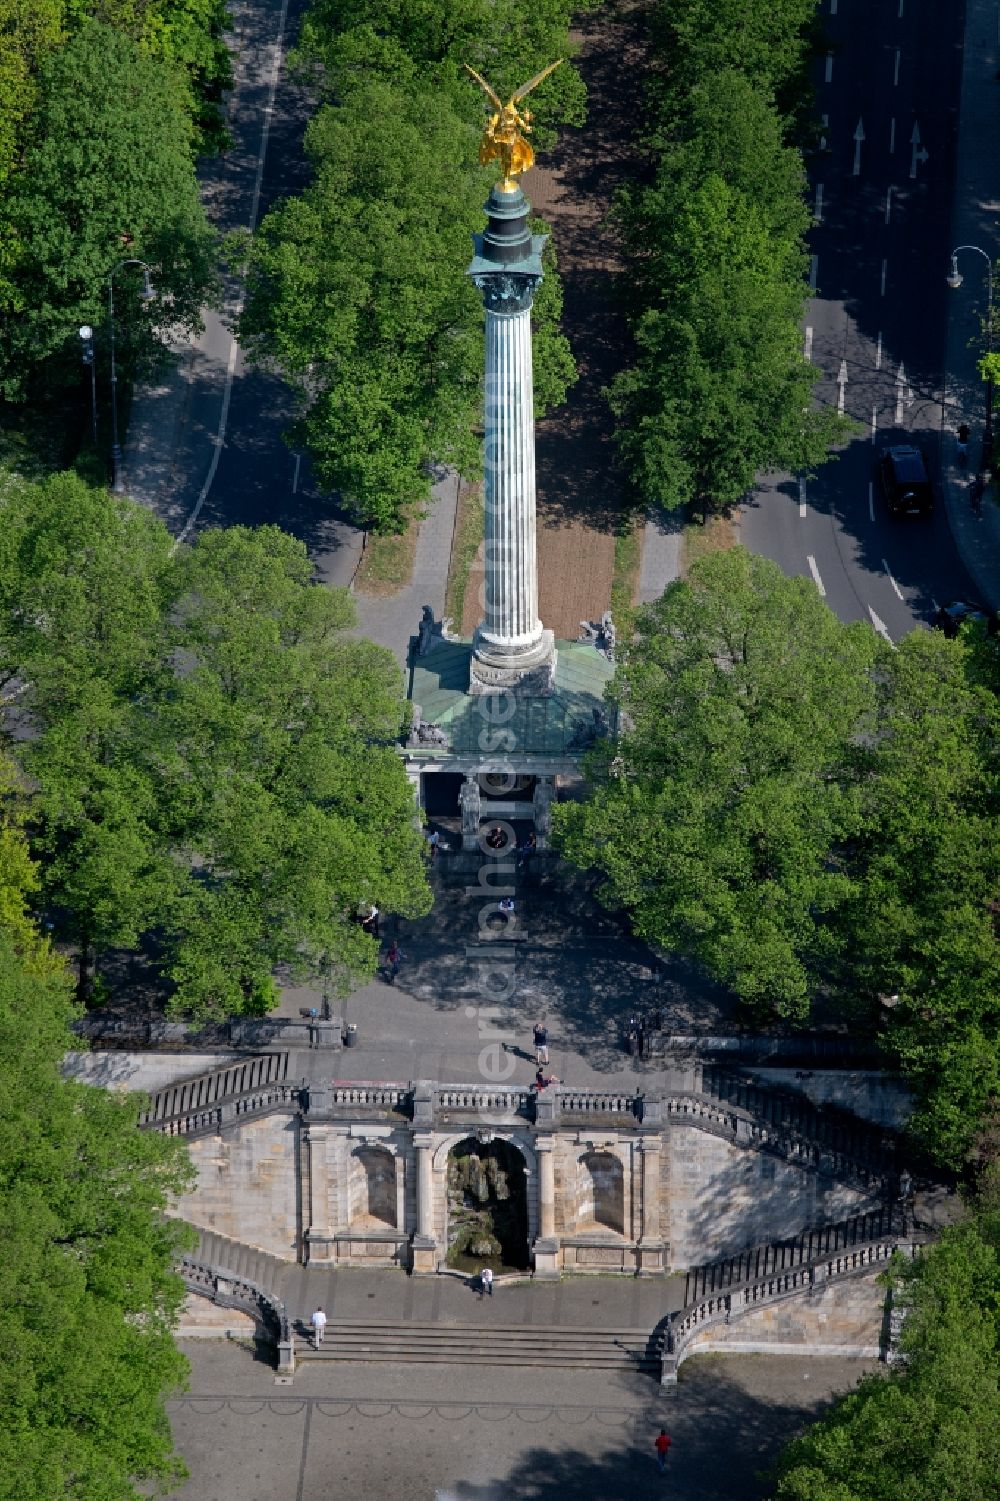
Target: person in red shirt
{"x": 662, "y": 1446}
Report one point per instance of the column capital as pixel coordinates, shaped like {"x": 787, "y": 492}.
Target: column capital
{"x": 423, "y": 1140}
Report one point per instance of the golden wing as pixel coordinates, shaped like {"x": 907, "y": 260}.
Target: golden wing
{"x": 491, "y": 94}
{"x": 526, "y": 88}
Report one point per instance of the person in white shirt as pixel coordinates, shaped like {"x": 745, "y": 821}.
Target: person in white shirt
{"x": 318, "y": 1322}
{"x": 485, "y": 1282}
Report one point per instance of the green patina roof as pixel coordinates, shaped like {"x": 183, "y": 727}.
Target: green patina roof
{"x": 548, "y": 726}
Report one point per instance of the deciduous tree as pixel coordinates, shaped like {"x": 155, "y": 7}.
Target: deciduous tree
{"x": 714, "y": 816}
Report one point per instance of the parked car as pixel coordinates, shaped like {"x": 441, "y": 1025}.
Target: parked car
{"x": 951, "y": 617}
{"x": 903, "y": 479}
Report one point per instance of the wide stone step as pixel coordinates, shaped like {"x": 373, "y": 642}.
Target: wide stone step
{"x": 472, "y": 1344}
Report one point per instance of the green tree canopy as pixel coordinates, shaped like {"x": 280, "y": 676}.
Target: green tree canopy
{"x": 714, "y": 815}
{"x": 108, "y": 174}
{"x": 214, "y": 754}
{"x": 922, "y": 922}
{"x": 720, "y": 389}
{"x": 357, "y": 290}
{"x": 88, "y": 1295}
{"x": 927, "y": 1430}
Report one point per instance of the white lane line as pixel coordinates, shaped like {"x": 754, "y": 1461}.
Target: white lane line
{"x": 896, "y": 589}
{"x": 871, "y": 501}
{"x": 220, "y": 436}
{"x": 885, "y": 268}
{"x": 881, "y": 627}
{"x": 842, "y": 383}
{"x": 878, "y": 351}
{"x": 829, "y": 68}
{"x": 833, "y": 7}
{"x": 900, "y": 394}
{"x": 859, "y": 136}
{"x": 874, "y": 420}
{"x": 813, "y": 272}
{"x": 807, "y": 348}
{"x": 818, "y": 210}
{"x": 815, "y": 573}
{"x": 892, "y": 137}
{"x": 295, "y": 477}
{"x": 895, "y": 71}
{"x": 802, "y": 495}
{"x": 888, "y": 204}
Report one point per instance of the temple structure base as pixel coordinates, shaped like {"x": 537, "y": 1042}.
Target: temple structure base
{"x": 526, "y": 674}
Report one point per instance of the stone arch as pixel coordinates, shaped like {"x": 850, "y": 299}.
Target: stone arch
{"x": 487, "y": 1202}
{"x": 372, "y": 1186}
{"x": 601, "y": 1191}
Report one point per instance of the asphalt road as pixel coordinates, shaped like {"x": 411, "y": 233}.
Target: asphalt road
{"x": 881, "y": 247}
{"x": 231, "y": 465}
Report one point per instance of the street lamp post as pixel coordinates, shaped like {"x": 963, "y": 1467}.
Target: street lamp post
{"x": 146, "y": 293}
{"x": 87, "y": 337}
{"x": 955, "y": 281}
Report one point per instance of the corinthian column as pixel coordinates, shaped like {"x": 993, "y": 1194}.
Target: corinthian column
{"x": 512, "y": 651}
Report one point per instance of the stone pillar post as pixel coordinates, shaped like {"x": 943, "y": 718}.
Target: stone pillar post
{"x": 546, "y": 1247}
{"x": 424, "y": 1241}
{"x": 650, "y": 1250}
{"x": 511, "y": 650}
{"x": 542, "y": 810}
{"x": 471, "y": 801}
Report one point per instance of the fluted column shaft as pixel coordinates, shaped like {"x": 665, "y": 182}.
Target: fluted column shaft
{"x": 546, "y": 1188}
{"x": 510, "y": 620}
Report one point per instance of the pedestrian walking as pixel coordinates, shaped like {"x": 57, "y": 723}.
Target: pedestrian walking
{"x": 962, "y": 443}
{"x": 393, "y": 959}
{"x": 541, "y": 1035}
{"x": 525, "y": 852}
{"x": 434, "y": 841}
{"x": 485, "y": 1283}
{"x": 663, "y": 1443}
{"x": 318, "y": 1322}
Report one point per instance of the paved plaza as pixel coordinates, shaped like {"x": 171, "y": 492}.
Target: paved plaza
{"x": 417, "y": 1432}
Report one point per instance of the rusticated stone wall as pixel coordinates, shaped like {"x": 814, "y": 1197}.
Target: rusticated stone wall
{"x": 723, "y": 1199}
{"x": 844, "y": 1318}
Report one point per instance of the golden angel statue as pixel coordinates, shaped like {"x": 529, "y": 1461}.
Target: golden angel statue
{"x": 503, "y": 141}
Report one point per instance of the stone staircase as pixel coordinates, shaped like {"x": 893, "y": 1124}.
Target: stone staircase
{"x": 493, "y": 1345}
{"x": 203, "y": 1105}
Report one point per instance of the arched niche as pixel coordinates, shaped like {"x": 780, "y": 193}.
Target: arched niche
{"x": 601, "y": 1192}
{"x": 372, "y": 1186}
{"x": 487, "y": 1195}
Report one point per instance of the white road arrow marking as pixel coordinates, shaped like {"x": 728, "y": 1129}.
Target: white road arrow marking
{"x": 859, "y": 135}
{"x": 900, "y": 393}
{"x": 842, "y": 385}
{"x": 918, "y": 152}
{"x": 881, "y": 627}
{"x": 896, "y": 588}
{"x": 815, "y": 573}
{"x": 802, "y": 495}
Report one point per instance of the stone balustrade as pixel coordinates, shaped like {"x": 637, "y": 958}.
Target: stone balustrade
{"x": 720, "y": 1307}
{"x": 228, "y": 1290}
